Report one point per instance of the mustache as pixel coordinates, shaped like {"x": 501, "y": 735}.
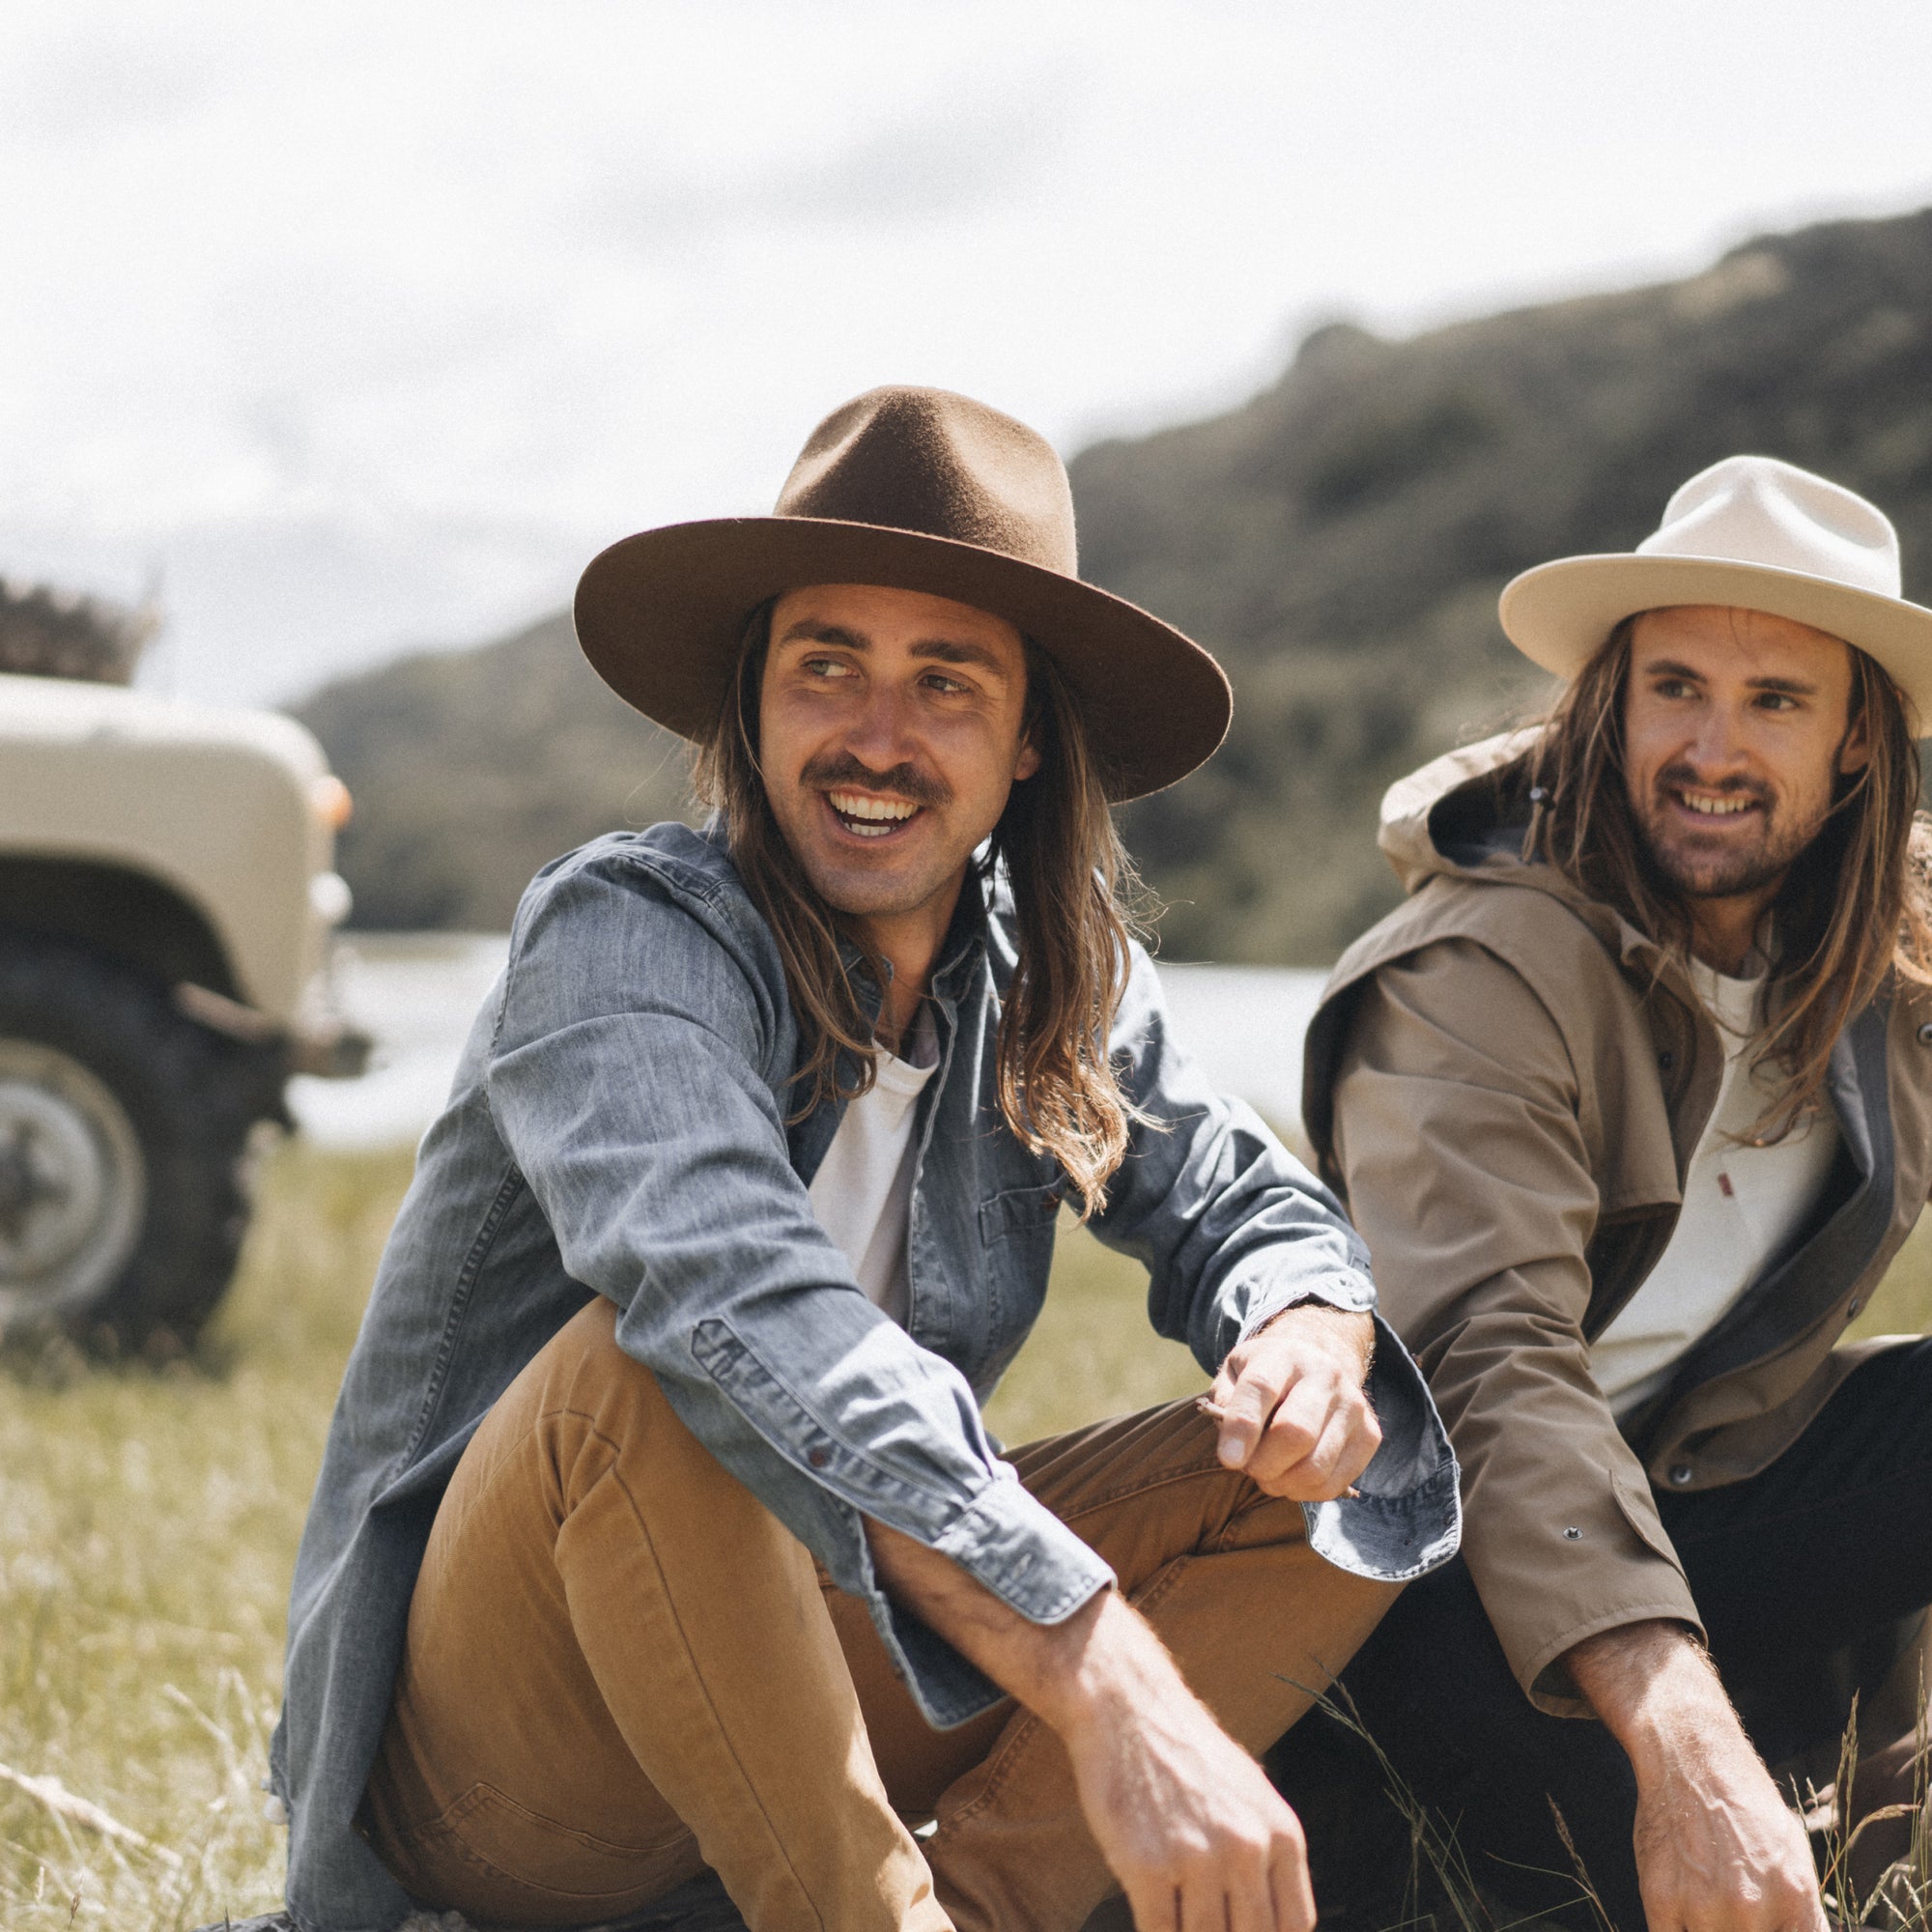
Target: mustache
{"x": 1681, "y": 777}
{"x": 906, "y": 782}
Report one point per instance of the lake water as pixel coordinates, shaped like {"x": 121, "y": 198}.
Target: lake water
{"x": 418, "y": 992}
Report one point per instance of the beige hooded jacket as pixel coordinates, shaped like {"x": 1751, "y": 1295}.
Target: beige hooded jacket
{"x": 1506, "y": 1082}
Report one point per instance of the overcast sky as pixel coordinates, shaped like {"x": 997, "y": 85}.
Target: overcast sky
{"x": 359, "y": 327}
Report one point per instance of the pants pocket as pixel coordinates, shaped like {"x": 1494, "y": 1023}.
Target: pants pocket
{"x": 492, "y": 1857}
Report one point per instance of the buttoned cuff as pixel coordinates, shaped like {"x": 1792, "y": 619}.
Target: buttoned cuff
{"x": 1266, "y": 1298}
{"x": 1024, "y": 1554}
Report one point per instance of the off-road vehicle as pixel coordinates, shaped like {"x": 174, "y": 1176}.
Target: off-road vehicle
{"x": 167, "y": 902}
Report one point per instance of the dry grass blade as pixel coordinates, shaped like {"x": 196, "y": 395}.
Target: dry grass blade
{"x": 81, "y": 1811}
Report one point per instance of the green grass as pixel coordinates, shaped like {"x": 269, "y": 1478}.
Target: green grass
{"x": 148, "y": 1525}
{"x": 148, "y": 1522}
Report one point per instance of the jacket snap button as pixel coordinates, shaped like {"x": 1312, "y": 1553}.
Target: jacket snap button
{"x": 1680, "y": 1473}
{"x": 817, "y": 1458}
{"x": 1572, "y": 1534}
{"x": 1925, "y": 1034}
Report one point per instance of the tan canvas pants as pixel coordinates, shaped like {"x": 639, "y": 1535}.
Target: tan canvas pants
{"x": 620, "y": 1666}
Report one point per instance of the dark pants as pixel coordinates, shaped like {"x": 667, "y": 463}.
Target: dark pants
{"x": 1804, "y": 1576}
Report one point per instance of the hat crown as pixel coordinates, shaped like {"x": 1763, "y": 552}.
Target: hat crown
{"x": 942, "y": 466}
{"x": 1757, "y": 510}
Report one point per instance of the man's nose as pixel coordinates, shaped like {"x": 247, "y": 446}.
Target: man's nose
{"x": 1718, "y": 748}
{"x": 879, "y": 736}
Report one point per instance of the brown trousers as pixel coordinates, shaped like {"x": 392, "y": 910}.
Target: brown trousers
{"x": 620, "y": 1666}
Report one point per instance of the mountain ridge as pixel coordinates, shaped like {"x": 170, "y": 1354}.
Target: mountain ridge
{"x": 1337, "y": 541}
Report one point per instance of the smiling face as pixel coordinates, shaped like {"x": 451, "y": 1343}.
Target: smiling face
{"x": 890, "y": 729}
{"x": 1735, "y": 727}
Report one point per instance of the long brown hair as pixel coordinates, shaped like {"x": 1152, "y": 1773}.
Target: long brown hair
{"x": 1074, "y": 892}
{"x": 1854, "y": 906}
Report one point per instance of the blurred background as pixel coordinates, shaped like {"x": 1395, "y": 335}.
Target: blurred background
{"x": 347, "y": 334}
{"x": 336, "y": 340}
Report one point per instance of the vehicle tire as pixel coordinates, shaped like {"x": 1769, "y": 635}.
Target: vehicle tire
{"x": 123, "y": 1149}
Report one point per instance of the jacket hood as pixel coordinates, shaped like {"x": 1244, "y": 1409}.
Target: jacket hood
{"x": 1473, "y": 833}
{"x": 1452, "y": 820}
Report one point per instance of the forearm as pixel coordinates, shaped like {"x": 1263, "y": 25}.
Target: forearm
{"x": 1183, "y": 1816}
{"x": 1717, "y": 1849}
{"x": 1089, "y": 1668}
{"x": 1655, "y": 1689}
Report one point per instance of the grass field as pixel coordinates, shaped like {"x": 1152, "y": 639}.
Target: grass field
{"x": 148, "y": 1524}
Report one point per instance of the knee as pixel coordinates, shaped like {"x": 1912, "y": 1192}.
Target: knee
{"x": 599, "y": 1407}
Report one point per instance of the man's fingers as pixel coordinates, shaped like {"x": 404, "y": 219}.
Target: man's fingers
{"x": 1243, "y": 1414}
{"x": 1294, "y": 1431}
{"x": 1293, "y": 1893}
{"x": 1358, "y": 1451}
{"x": 1155, "y": 1906}
{"x": 1204, "y": 1903}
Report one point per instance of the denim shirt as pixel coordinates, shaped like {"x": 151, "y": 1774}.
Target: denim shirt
{"x": 618, "y": 1127}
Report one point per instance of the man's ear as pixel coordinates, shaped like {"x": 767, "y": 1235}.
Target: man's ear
{"x": 1028, "y": 761}
{"x": 1855, "y": 747}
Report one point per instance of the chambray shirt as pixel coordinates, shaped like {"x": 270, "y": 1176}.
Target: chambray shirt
{"x": 618, "y": 1127}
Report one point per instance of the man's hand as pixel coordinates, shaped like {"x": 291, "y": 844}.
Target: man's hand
{"x": 1187, "y": 1823}
{"x": 1717, "y": 1849}
{"x": 1194, "y": 1833}
{"x": 1289, "y": 1405}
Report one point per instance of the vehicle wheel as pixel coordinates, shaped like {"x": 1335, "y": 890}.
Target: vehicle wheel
{"x": 123, "y": 1137}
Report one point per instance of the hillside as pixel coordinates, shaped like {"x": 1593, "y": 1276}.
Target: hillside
{"x": 470, "y": 769}
{"x": 1337, "y": 541}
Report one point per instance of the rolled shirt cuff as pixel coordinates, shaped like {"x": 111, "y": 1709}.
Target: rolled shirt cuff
{"x": 1011, "y": 1543}
{"x": 1261, "y": 1302}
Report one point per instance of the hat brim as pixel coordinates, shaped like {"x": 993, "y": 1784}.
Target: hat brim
{"x": 1559, "y": 613}
{"x": 662, "y": 616}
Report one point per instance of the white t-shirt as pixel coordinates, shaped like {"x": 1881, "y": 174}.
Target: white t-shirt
{"x": 862, "y": 1190}
{"x": 1741, "y": 1205}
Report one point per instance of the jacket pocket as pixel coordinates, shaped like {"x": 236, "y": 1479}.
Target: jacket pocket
{"x": 1639, "y": 1510}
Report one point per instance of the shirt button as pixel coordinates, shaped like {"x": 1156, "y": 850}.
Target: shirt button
{"x": 1680, "y": 1473}
{"x": 1572, "y": 1534}
{"x": 817, "y": 1458}
{"x": 1852, "y": 1308}
{"x": 1666, "y": 1059}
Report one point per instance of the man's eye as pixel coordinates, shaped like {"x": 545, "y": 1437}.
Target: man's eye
{"x": 827, "y": 668}
{"x": 939, "y": 681}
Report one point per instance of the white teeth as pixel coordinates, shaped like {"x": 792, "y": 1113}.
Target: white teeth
{"x": 855, "y": 805}
{"x": 1711, "y": 805}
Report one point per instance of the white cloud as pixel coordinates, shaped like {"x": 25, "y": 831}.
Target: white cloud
{"x": 366, "y": 325}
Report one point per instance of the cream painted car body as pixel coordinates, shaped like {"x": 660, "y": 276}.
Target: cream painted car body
{"x": 192, "y": 841}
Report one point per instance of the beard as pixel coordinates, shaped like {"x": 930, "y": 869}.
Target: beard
{"x": 1722, "y": 864}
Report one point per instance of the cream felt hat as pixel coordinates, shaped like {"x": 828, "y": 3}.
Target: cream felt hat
{"x": 1750, "y": 531}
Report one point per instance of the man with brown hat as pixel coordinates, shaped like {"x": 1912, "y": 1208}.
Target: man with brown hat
{"x": 744, "y": 1199}
{"x": 1633, "y": 1101}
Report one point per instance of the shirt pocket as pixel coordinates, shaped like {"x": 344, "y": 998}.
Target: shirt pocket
{"x": 1024, "y": 1212}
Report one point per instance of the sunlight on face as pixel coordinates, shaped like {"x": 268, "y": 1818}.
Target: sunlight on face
{"x": 1734, "y": 738}
{"x": 890, "y": 735}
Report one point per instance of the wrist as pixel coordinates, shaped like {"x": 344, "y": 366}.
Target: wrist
{"x": 1102, "y": 1666}
{"x": 1655, "y": 1691}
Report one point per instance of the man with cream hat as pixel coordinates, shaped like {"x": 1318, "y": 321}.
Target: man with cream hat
{"x": 659, "y": 1529}
{"x": 1631, "y": 1099}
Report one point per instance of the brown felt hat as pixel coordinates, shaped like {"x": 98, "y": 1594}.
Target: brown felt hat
{"x": 918, "y": 489}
